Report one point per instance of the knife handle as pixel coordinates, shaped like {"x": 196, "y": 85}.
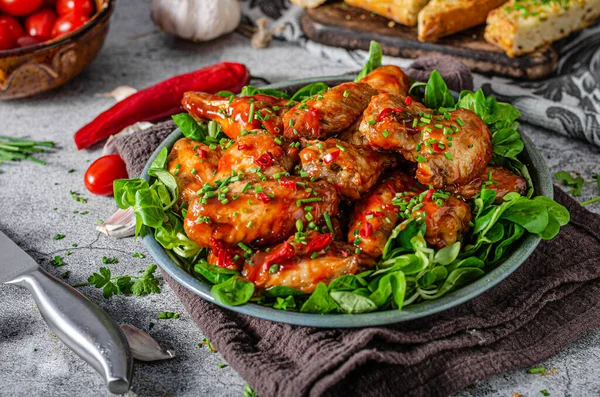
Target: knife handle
{"x": 83, "y": 326}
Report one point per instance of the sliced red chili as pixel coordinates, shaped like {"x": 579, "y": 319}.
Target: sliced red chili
{"x": 331, "y": 156}
{"x": 387, "y": 112}
{"x": 429, "y": 195}
{"x": 408, "y": 101}
{"x": 374, "y": 213}
{"x": 243, "y": 146}
{"x": 319, "y": 242}
{"x": 263, "y": 197}
{"x": 344, "y": 253}
{"x": 436, "y": 147}
{"x": 288, "y": 183}
{"x": 223, "y": 253}
{"x": 366, "y": 230}
{"x": 265, "y": 160}
{"x": 203, "y": 154}
{"x": 285, "y": 252}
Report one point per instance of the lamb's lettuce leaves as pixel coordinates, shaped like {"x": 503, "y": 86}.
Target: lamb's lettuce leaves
{"x": 373, "y": 61}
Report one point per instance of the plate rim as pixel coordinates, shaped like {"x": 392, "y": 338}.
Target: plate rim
{"x": 511, "y": 263}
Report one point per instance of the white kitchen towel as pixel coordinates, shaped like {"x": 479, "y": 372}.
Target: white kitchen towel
{"x": 568, "y": 102}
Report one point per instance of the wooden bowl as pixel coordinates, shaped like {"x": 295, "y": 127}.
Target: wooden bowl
{"x": 31, "y": 70}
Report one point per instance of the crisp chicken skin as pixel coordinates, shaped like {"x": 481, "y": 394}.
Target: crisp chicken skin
{"x": 446, "y": 224}
{"x": 352, "y": 169}
{"x": 388, "y": 79}
{"x": 498, "y": 179}
{"x": 255, "y": 154}
{"x": 258, "y": 213}
{"x": 192, "y": 164}
{"x": 240, "y": 114}
{"x": 303, "y": 266}
{"x": 329, "y": 113}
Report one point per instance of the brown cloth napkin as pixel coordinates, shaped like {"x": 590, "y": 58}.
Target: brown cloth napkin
{"x": 551, "y": 300}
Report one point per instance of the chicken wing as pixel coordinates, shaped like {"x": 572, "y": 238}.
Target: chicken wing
{"x": 352, "y": 169}
{"x": 329, "y": 113}
{"x": 455, "y": 149}
{"x": 258, "y": 213}
{"x": 389, "y": 124}
{"x": 446, "y": 223}
{"x": 240, "y": 114}
{"x": 257, "y": 155}
{"x": 192, "y": 164}
{"x": 388, "y": 79}
{"x": 303, "y": 266}
{"x": 375, "y": 216}
{"x": 498, "y": 179}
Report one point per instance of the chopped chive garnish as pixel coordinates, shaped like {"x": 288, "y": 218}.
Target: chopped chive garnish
{"x": 251, "y": 113}
{"x": 308, "y": 200}
{"x": 448, "y": 155}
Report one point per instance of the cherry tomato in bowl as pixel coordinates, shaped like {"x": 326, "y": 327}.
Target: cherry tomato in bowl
{"x": 13, "y": 25}
{"x": 7, "y": 39}
{"x": 81, "y": 7}
{"x": 19, "y": 7}
{"x": 26, "y": 41}
{"x": 101, "y": 174}
{"x": 40, "y": 23}
{"x": 68, "y": 23}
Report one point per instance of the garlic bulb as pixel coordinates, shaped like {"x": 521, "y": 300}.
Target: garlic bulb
{"x": 197, "y": 20}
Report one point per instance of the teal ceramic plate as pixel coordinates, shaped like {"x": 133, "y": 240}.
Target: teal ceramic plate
{"x": 543, "y": 186}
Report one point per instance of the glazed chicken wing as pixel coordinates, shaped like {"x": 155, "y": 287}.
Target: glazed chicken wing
{"x": 352, "y": 169}
{"x": 258, "y": 213}
{"x": 446, "y": 224}
{"x": 256, "y": 155}
{"x": 455, "y": 149}
{"x": 374, "y": 217}
{"x": 388, "y": 123}
{"x": 240, "y": 114}
{"x": 192, "y": 164}
{"x": 329, "y": 113}
{"x": 498, "y": 179}
{"x": 390, "y": 79}
{"x": 302, "y": 267}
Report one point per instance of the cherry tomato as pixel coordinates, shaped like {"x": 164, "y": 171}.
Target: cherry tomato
{"x": 7, "y": 39}
{"x": 14, "y": 25}
{"x": 103, "y": 172}
{"x": 49, "y": 3}
{"x": 26, "y": 41}
{"x": 81, "y": 7}
{"x": 67, "y": 23}
{"x": 40, "y": 23}
{"x": 19, "y": 7}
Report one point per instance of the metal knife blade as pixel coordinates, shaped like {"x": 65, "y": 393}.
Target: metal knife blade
{"x": 81, "y": 324}
{"x": 13, "y": 260}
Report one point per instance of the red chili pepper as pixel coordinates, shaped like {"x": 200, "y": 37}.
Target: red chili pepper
{"x": 263, "y": 197}
{"x": 162, "y": 100}
{"x": 265, "y": 160}
{"x": 243, "y": 146}
{"x": 436, "y": 147}
{"x": 331, "y": 156}
{"x": 366, "y": 230}
{"x": 319, "y": 242}
{"x": 386, "y": 112}
{"x": 344, "y": 253}
{"x": 408, "y": 101}
{"x": 429, "y": 195}
{"x": 288, "y": 183}
{"x": 286, "y": 252}
{"x": 374, "y": 213}
{"x": 223, "y": 253}
{"x": 203, "y": 154}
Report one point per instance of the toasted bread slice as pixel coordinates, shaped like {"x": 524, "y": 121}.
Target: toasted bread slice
{"x": 441, "y": 18}
{"x": 308, "y": 3}
{"x": 401, "y": 11}
{"x": 522, "y": 26}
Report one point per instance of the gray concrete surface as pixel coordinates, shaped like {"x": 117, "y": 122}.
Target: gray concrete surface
{"x": 33, "y": 362}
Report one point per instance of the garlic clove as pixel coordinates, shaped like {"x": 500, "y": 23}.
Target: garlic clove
{"x": 143, "y": 346}
{"x": 119, "y": 225}
{"x": 120, "y": 93}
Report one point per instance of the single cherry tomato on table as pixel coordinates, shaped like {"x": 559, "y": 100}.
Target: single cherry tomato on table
{"x": 26, "y": 41}
{"x": 103, "y": 172}
{"x": 81, "y": 7}
{"x": 40, "y": 23}
{"x": 67, "y": 23}
{"x": 19, "y": 7}
{"x": 12, "y": 24}
{"x": 7, "y": 40}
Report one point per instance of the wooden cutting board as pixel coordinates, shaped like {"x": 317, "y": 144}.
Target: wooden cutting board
{"x": 341, "y": 25}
